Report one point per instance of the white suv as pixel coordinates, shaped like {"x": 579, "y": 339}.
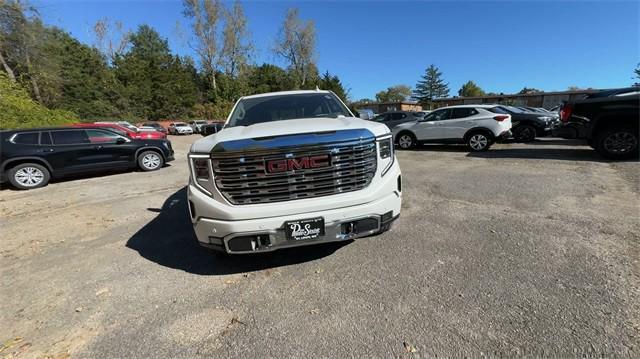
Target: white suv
{"x": 180, "y": 128}
{"x": 475, "y": 125}
{"x": 291, "y": 169}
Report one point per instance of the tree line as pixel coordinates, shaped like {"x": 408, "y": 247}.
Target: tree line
{"x": 134, "y": 74}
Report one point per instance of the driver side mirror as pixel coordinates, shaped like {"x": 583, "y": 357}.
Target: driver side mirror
{"x": 207, "y": 130}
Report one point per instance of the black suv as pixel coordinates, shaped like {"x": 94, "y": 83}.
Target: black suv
{"x": 526, "y": 126}
{"x": 29, "y": 158}
{"x": 609, "y": 120}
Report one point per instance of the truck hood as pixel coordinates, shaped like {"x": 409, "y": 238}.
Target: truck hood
{"x": 236, "y": 138}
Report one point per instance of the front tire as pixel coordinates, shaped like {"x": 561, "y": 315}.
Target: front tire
{"x": 406, "y": 140}
{"x": 479, "y": 141}
{"x": 524, "y": 133}
{"x": 617, "y": 143}
{"x": 150, "y": 161}
{"x": 29, "y": 176}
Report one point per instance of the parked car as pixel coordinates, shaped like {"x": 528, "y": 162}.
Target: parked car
{"x": 394, "y": 118}
{"x": 196, "y": 125}
{"x": 526, "y": 125}
{"x": 609, "y": 121}
{"x": 158, "y": 127}
{"x": 291, "y": 169}
{"x": 211, "y": 128}
{"x": 124, "y": 131}
{"x": 475, "y": 125}
{"x": 420, "y": 114}
{"x": 30, "y": 158}
{"x": 125, "y": 124}
{"x": 366, "y": 113}
{"x": 180, "y": 128}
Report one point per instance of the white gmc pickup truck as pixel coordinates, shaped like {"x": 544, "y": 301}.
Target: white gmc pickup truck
{"x": 289, "y": 169}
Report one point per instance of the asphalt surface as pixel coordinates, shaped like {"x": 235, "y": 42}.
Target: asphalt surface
{"x": 523, "y": 250}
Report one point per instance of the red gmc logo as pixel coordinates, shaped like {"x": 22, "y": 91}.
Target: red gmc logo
{"x": 299, "y": 163}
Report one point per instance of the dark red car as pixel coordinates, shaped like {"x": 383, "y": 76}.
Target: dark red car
{"x": 124, "y": 131}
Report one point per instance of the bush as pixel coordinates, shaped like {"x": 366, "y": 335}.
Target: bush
{"x": 18, "y": 110}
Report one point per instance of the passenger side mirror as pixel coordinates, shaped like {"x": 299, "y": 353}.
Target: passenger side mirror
{"x": 121, "y": 140}
{"x": 207, "y": 130}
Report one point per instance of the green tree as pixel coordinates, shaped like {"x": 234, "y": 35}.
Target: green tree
{"x": 430, "y": 86}
{"x": 155, "y": 83}
{"x": 20, "y": 111}
{"x": 332, "y": 83}
{"x": 89, "y": 87}
{"x": 637, "y": 75}
{"x": 395, "y": 93}
{"x": 23, "y": 51}
{"x": 470, "y": 89}
{"x": 268, "y": 78}
{"x": 527, "y": 90}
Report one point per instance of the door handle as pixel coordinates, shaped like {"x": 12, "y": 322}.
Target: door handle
{"x": 98, "y": 147}
{"x": 47, "y": 150}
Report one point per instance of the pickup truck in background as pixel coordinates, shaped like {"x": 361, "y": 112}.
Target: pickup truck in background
{"x": 608, "y": 120}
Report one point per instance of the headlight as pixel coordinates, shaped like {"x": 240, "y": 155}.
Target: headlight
{"x": 385, "y": 152}
{"x": 201, "y": 172}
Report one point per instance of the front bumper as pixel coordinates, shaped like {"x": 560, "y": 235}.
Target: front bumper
{"x": 215, "y": 229}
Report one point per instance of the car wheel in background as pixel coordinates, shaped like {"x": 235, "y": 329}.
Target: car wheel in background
{"x": 524, "y": 133}
{"x": 478, "y": 141}
{"x": 150, "y": 161}
{"x": 28, "y": 176}
{"x": 406, "y": 140}
{"x": 617, "y": 143}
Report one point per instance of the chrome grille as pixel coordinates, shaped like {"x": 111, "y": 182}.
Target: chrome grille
{"x": 242, "y": 179}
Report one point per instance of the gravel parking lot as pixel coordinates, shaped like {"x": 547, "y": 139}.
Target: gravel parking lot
{"x": 525, "y": 249}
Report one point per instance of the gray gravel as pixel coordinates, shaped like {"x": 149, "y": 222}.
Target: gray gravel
{"x": 523, "y": 250}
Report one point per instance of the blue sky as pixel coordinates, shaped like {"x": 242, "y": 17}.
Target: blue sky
{"x": 502, "y": 46}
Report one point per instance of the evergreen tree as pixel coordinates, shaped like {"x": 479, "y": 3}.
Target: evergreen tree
{"x": 431, "y": 86}
{"x": 155, "y": 83}
{"x": 332, "y": 83}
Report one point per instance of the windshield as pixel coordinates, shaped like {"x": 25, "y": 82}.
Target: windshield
{"x": 255, "y": 110}
{"x": 511, "y": 109}
{"x": 181, "y": 124}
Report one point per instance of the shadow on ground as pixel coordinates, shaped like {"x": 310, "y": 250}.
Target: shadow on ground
{"x": 169, "y": 240}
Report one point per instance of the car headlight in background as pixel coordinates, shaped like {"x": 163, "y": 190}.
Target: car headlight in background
{"x": 201, "y": 172}
{"x": 385, "y": 152}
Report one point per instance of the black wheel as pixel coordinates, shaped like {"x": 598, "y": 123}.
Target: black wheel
{"x": 28, "y": 176}
{"x": 524, "y": 133}
{"x": 479, "y": 141}
{"x": 406, "y": 140}
{"x": 150, "y": 161}
{"x": 617, "y": 143}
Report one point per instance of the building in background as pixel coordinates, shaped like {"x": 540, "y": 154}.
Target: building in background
{"x": 381, "y": 107}
{"x": 546, "y": 100}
